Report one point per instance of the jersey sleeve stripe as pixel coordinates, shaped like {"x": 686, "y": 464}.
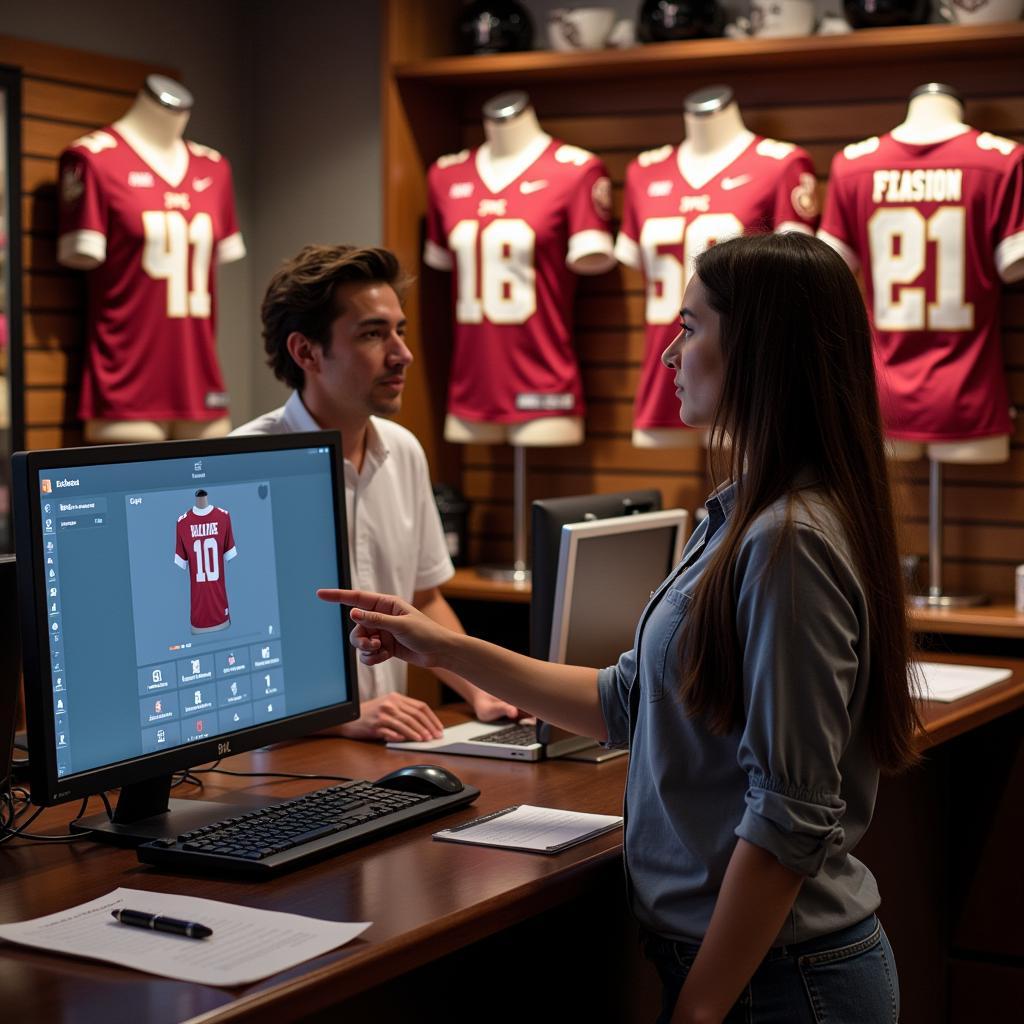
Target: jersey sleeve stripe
{"x": 228, "y": 555}
{"x": 436, "y": 257}
{"x": 1008, "y": 252}
{"x": 231, "y": 248}
{"x": 92, "y": 244}
{"x": 795, "y": 225}
{"x": 591, "y": 242}
{"x": 842, "y": 248}
{"x": 180, "y": 562}
{"x": 627, "y": 252}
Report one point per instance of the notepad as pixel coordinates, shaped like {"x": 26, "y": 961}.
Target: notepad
{"x": 946, "y": 683}
{"x": 535, "y": 829}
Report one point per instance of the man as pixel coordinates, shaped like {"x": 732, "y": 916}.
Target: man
{"x": 334, "y": 331}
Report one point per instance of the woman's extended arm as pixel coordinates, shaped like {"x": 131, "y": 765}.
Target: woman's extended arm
{"x": 387, "y": 627}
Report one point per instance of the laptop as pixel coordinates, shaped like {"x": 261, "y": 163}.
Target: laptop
{"x": 588, "y": 627}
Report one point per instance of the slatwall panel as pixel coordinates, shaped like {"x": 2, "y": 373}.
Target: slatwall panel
{"x": 65, "y": 93}
{"x": 821, "y": 110}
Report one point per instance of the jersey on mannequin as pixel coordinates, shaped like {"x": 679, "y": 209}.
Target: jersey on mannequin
{"x": 148, "y": 214}
{"x": 934, "y": 214}
{"x": 721, "y": 181}
{"x": 516, "y": 219}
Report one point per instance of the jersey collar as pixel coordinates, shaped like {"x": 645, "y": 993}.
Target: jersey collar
{"x": 721, "y": 162}
{"x": 498, "y": 180}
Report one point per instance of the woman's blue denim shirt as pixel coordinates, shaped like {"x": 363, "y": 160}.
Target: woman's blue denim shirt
{"x": 797, "y": 778}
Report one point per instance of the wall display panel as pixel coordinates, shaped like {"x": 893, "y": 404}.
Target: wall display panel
{"x": 66, "y": 93}
{"x": 819, "y": 93}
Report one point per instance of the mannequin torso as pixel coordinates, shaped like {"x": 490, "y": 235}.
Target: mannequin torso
{"x": 935, "y": 116}
{"x": 153, "y": 129}
{"x": 514, "y": 140}
{"x": 715, "y": 137}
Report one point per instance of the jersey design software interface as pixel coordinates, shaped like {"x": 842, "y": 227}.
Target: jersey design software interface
{"x": 153, "y": 647}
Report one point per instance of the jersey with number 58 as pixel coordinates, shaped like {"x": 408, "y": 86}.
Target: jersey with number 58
{"x": 934, "y": 228}
{"x": 514, "y": 246}
{"x": 668, "y": 221}
{"x": 151, "y": 328}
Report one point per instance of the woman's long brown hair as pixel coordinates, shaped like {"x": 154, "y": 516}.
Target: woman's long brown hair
{"x": 798, "y": 394}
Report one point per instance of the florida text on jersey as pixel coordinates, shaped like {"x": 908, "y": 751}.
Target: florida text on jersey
{"x": 152, "y": 310}
{"x": 668, "y": 220}
{"x": 204, "y": 544}
{"x": 514, "y": 245}
{"x": 934, "y": 227}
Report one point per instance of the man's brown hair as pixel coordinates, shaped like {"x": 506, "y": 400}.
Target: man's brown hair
{"x": 302, "y": 296}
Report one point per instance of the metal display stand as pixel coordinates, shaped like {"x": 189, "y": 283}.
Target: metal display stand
{"x": 935, "y": 597}
{"x": 518, "y": 571}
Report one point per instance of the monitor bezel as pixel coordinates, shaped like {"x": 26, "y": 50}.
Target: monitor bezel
{"x": 548, "y": 516}
{"x": 49, "y": 789}
{"x": 574, "y": 533}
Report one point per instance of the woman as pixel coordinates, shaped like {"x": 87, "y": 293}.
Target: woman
{"x": 768, "y": 685}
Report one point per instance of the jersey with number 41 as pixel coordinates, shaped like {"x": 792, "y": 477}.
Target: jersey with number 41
{"x": 151, "y": 352}
{"x": 204, "y": 543}
{"x": 668, "y": 221}
{"x": 934, "y": 228}
{"x": 514, "y": 246}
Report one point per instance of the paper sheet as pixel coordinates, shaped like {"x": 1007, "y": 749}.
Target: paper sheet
{"x": 538, "y": 829}
{"x": 246, "y": 944}
{"x": 951, "y": 682}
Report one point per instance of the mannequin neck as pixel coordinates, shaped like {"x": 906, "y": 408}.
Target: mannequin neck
{"x": 155, "y": 133}
{"x": 931, "y": 117}
{"x": 509, "y": 138}
{"x": 708, "y": 135}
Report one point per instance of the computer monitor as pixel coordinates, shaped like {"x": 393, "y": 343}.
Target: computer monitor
{"x": 548, "y": 517}
{"x": 169, "y": 615}
{"x": 607, "y": 571}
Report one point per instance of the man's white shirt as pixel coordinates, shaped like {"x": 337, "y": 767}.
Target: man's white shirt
{"x": 396, "y": 542}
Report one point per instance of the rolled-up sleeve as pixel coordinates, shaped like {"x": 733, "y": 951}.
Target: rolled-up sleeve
{"x": 613, "y": 688}
{"x": 799, "y": 624}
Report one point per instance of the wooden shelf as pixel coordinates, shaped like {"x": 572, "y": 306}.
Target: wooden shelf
{"x": 868, "y": 46}
{"x": 998, "y": 620}
{"x": 995, "y": 620}
{"x": 466, "y": 585}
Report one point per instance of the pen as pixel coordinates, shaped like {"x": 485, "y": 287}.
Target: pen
{"x": 159, "y": 923}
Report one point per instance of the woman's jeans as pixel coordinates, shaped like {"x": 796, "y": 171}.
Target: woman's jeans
{"x": 847, "y": 977}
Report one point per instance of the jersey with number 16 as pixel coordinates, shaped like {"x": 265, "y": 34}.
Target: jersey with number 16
{"x": 515, "y": 246}
{"x": 151, "y": 353}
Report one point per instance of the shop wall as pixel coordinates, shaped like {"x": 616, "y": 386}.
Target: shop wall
{"x": 315, "y": 140}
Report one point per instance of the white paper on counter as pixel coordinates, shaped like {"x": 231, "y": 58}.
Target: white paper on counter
{"x": 246, "y": 944}
{"x": 951, "y": 682}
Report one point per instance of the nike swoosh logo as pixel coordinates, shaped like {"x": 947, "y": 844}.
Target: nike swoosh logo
{"x": 532, "y": 186}
{"x": 202, "y": 184}
{"x": 728, "y": 184}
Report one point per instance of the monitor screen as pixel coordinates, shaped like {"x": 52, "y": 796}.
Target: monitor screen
{"x": 607, "y": 571}
{"x": 172, "y": 616}
{"x": 549, "y": 515}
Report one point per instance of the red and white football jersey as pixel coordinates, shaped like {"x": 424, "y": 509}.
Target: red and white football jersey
{"x": 668, "y": 221}
{"x": 514, "y": 246}
{"x": 205, "y": 544}
{"x": 151, "y": 352}
{"x": 934, "y": 227}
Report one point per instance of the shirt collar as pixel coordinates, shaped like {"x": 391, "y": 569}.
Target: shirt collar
{"x": 723, "y": 501}
{"x": 298, "y": 418}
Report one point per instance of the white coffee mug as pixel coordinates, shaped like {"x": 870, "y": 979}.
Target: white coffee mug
{"x": 774, "y": 19}
{"x": 580, "y": 28}
{"x": 980, "y": 12}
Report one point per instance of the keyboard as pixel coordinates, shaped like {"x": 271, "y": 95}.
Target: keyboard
{"x": 514, "y": 735}
{"x": 270, "y": 839}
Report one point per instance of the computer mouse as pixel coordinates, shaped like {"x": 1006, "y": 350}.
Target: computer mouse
{"x": 427, "y": 779}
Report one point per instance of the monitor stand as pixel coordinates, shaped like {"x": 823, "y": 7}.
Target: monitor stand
{"x": 145, "y": 811}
